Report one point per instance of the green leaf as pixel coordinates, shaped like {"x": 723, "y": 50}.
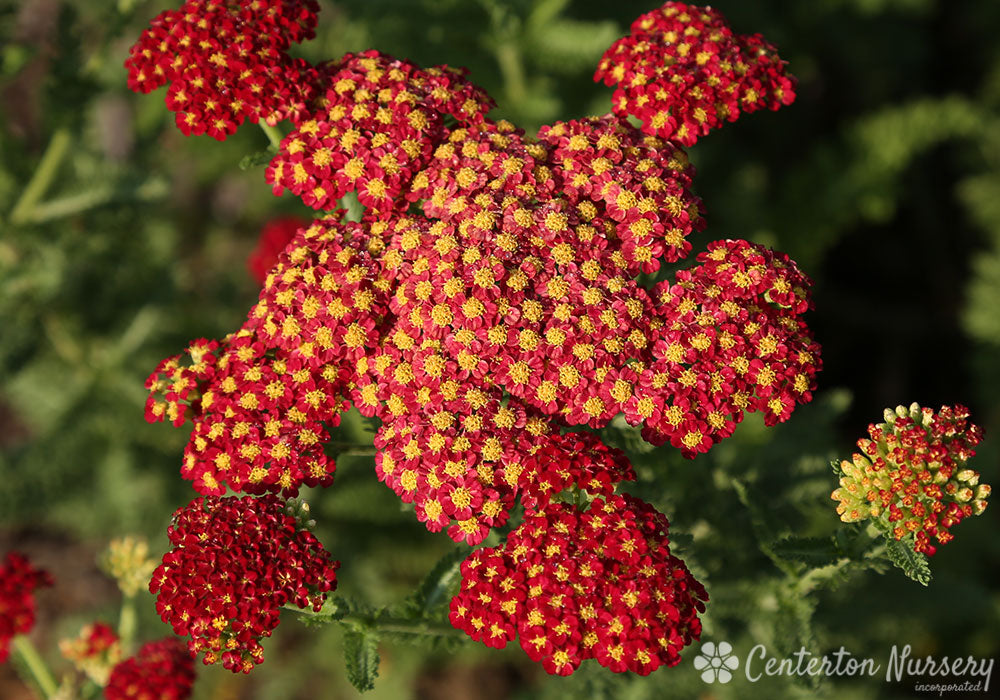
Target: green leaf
{"x": 914, "y": 564}
{"x": 361, "y": 658}
{"x": 340, "y": 606}
{"x": 437, "y": 586}
{"x": 812, "y": 551}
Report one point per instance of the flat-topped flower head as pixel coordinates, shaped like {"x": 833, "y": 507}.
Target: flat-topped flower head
{"x": 631, "y": 189}
{"x": 225, "y": 62}
{"x": 731, "y": 340}
{"x": 911, "y": 475}
{"x": 18, "y": 582}
{"x": 682, "y": 72}
{"x": 163, "y": 669}
{"x": 489, "y": 297}
{"x": 235, "y": 562}
{"x": 573, "y": 584}
{"x": 376, "y": 125}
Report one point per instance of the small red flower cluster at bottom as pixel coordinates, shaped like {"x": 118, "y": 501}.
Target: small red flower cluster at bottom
{"x": 95, "y": 651}
{"x": 235, "y": 562}
{"x": 18, "y": 581}
{"x": 574, "y": 585}
{"x": 162, "y": 670}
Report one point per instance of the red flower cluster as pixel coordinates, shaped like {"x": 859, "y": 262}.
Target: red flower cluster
{"x": 162, "y": 670}
{"x": 571, "y": 461}
{"x": 486, "y": 302}
{"x": 683, "y": 72}
{"x": 574, "y": 585}
{"x": 18, "y": 581}
{"x": 912, "y": 476}
{"x": 94, "y": 639}
{"x": 234, "y": 563}
{"x": 732, "y": 340}
{"x": 258, "y": 415}
{"x": 95, "y": 651}
{"x": 276, "y": 234}
{"x": 226, "y": 62}
{"x": 379, "y": 121}
{"x": 478, "y": 330}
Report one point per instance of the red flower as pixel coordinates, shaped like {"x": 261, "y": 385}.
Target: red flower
{"x": 682, "y": 71}
{"x": 489, "y": 298}
{"x": 225, "y": 62}
{"x": 235, "y": 563}
{"x": 572, "y": 585}
{"x": 162, "y": 669}
{"x": 380, "y": 120}
{"x": 95, "y": 651}
{"x": 18, "y": 581}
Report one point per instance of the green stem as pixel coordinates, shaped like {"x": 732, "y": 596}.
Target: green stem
{"x": 387, "y": 623}
{"x": 508, "y": 55}
{"x": 127, "y": 625}
{"x": 42, "y": 178}
{"x": 359, "y": 452}
{"x": 274, "y": 135}
{"x": 61, "y": 207}
{"x": 36, "y": 666}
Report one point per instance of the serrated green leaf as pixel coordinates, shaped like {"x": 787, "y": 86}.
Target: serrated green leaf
{"x": 337, "y": 607}
{"x": 914, "y": 564}
{"x": 812, "y": 551}
{"x": 438, "y": 583}
{"x": 361, "y": 658}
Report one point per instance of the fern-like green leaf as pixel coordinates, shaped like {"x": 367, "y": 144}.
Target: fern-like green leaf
{"x": 914, "y": 564}
{"x": 361, "y": 658}
{"x": 434, "y": 590}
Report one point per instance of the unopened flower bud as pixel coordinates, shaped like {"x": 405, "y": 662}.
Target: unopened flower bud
{"x": 969, "y": 476}
{"x": 127, "y": 561}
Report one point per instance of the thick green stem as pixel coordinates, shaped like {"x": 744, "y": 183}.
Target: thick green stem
{"x": 127, "y": 625}
{"x": 41, "y": 180}
{"x": 32, "y": 661}
{"x": 274, "y": 135}
{"x": 508, "y": 55}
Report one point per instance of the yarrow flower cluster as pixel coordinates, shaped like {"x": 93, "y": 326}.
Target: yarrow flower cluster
{"x": 573, "y": 585}
{"x": 911, "y": 475}
{"x": 377, "y": 126}
{"x": 162, "y": 669}
{"x": 486, "y": 303}
{"x": 683, "y": 72}
{"x": 226, "y": 62}
{"x": 18, "y": 582}
{"x": 95, "y": 651}
{"x": 235, "y": 562}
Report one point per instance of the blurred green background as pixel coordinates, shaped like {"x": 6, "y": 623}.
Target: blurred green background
{"x": 882, "y": 180}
